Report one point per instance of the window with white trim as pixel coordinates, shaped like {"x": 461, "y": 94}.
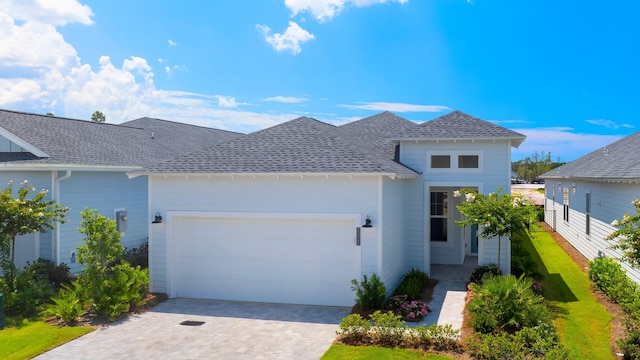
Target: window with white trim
{"x": 587, "y": 211}
{"x": 565, "y": 202}
{"x": 440, "y": 161}
{"x": 454, "y": 161}
{"x": 438, "y": 216}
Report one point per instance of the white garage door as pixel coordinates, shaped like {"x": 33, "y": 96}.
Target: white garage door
{"x": 296, "y": 261}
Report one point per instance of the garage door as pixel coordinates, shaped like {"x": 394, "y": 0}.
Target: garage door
{"x": 281, "y": 260}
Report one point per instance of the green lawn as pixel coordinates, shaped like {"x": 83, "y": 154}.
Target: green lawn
{"x": 583, "y": 323}
{"x": 378, "y": 353}
{"x": 34, "y": 338}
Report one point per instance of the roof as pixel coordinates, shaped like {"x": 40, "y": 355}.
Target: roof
{"x": 302, "y": 145}
{"x": 54, "y": 141}
{"x": 457, "y": 125}
{"x": 617, "y": 161}
{"x": 378, "y": 131}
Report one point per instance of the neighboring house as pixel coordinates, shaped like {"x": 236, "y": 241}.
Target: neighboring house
{"x": 583, "y": 197}
{"x": 292, "y": 213}
{"x": 83, "y": 163}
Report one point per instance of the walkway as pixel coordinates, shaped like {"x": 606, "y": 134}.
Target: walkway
{"x": 449, "y": 295}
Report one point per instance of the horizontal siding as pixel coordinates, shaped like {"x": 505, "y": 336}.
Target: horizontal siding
{"x": 495, "y": 173}
{"x": 394, "y": 246}
{"x": 243, "y": 194}
{"x": 104, "y": 191}
{"x": 608, "y": 202}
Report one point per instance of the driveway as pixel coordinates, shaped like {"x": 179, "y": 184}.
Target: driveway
{"x": 231, "y": 330}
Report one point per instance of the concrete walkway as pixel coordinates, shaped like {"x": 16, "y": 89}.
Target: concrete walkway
{"x": 450, "y": 293}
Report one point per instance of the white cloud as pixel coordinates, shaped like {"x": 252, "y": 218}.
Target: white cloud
{"x": 324, "y": 10}
{"x": 226, "y": 101}
{"x": 560, "y": 140}
{"x": 58, "y": 12}
{"x": 290, "y": 40}
{"x": 609, "y": 124}
{"x": 172, "y": 43}
{"x": 396, "y": 107}
{"x": 286, "y": 99}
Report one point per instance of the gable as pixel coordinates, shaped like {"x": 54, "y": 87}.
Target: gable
{"x": 10, "y": 143}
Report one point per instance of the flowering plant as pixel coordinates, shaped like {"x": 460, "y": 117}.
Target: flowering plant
{"x": 627, "y": 235}
{"x": 414, "y": 310}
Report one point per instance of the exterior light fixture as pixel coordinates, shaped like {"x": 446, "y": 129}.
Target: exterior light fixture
{"x": 367, "y": 223}
{"x": 158, "y": 219}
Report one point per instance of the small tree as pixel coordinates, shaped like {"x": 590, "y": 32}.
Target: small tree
{"x": 628, "y": 235}
{"x": 98, "y": 116}
{"x": 23, "y": 215}
{"x": 102, "y": 248}
{"x": 498, "y": 214}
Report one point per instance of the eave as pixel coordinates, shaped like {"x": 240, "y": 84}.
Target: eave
{"x": 232, "y": 176}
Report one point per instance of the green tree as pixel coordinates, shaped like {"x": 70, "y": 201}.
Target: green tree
{"x": 497, "y": 214}
{"x": 98, "y": 116}
{"x": 628, "y": 235}
{"x": 24, "y": 215}
{"x": 102, "y": 248}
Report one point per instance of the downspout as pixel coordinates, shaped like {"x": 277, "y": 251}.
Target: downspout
{"x": 56, "y": 198}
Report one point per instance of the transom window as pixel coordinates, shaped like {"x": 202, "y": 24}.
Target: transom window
{"x": 440, "y": 161}
{"x": 468, "y": 161}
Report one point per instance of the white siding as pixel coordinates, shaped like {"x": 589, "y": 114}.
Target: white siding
{"x": 263, "y": 195}
{"x": 609, "y": 201}
{"x": 494, "y": 172}
{"x": 393, "y": 244}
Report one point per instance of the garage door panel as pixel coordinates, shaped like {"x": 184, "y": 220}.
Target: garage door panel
{"x": 273, "y": 260}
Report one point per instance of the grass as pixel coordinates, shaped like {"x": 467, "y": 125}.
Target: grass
{"x": 583, "y": 323}
{"x": 378, "y": 353}
{"x": 34, "y": 338}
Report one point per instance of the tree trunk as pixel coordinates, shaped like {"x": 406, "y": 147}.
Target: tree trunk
{"x": 499, "y": 264}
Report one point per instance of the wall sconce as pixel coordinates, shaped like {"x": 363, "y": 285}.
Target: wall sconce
{"x": 158, "y": 219}
{"x": 367, "y": 223}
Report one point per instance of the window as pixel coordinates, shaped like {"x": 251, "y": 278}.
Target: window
{"x": 468, "y": 161}
{"x": 439, "y": 216}
{"x": 565, "y": 201}
{"x": 587, "y": 229}
{"x": 440, "y": 161}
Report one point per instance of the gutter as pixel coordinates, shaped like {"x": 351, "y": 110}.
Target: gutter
{"x": 56, "y": 197}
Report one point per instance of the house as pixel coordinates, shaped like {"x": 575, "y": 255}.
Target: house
{"x": 293, "y": 213}
{"x": 584, "y": 196}
{"x": 83, "y": 163}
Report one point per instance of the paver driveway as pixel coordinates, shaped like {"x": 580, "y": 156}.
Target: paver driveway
{"x": 231, "y": 330}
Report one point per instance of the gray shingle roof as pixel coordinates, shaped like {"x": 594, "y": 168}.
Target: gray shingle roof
{"x": 457, "y": 125}
{"x": 81, "y": 142}
{"x": 618, "y": 160}
{"x": 378, "y": 131}
{"x": 302, "y": 145}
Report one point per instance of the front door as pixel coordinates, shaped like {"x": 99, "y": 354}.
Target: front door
{"x": 474, "y": 239}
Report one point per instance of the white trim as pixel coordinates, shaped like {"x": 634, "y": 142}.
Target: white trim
{"x": 274, "y": 175}
{"x": 63, "y": 167}
{"x": 172, "y": 215}
{"x": 23, "y": 144}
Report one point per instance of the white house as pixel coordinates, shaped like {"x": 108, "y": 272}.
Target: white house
{"x": 583, "y": 197}
{"x": 292, "y": 213}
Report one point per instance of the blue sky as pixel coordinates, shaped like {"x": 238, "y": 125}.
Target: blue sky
{"x": 564, "y": 73}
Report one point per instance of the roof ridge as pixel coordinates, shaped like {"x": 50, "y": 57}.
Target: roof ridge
{"x": 177, "y": 123}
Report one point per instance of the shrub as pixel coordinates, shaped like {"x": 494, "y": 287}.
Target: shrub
{"x": 630, "y": 344}
{"x": 412, "y": 284}
{"x": 28, "y": 295}
{"x": 609, "y": 277}
{"x": 438, "y": 337}
{"x": 370, "y": 294}
{"x": 117, "y": 290}
{"x": 56, "y": 275}
{"x": 521, "y": 261}
{"x": 530, "y": 342}
{"x": 388, "y": 328}
{"x": 354, "y": 329}
{"x": 138, "y": 256}
{"x": 506, "y": 303}
{"x": 412, "y": 310}
{"x": 68, "y": 305}
{"x": 479, "y": 272}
